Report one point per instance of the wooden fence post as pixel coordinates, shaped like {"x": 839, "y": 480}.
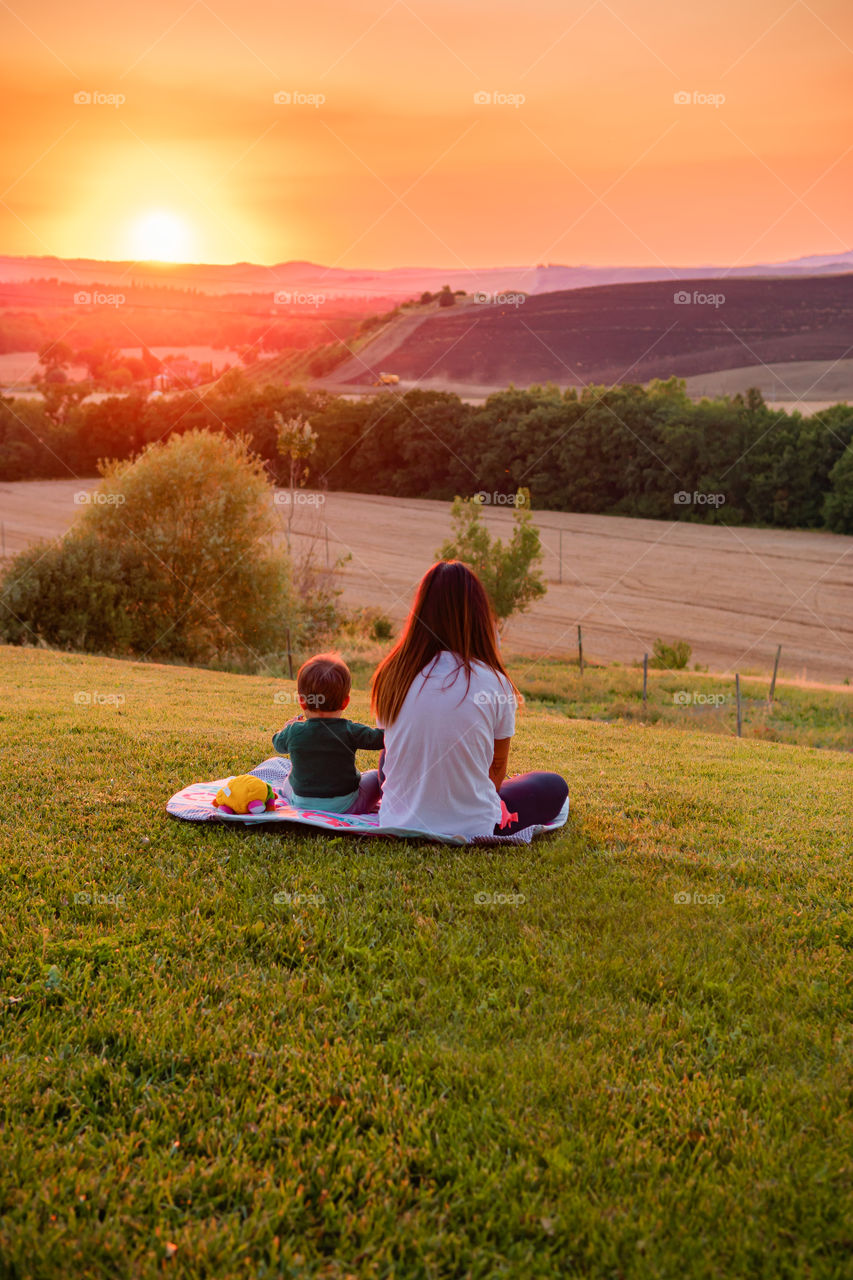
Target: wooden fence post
{"x": 580, "y": 649}
{"x": 645, "y": 678}
{"x": 775, "y": 673}
{"x": 739, "y": 716}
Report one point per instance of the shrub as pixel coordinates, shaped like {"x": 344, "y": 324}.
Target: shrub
{"x": 364, "y": 631}
{"x": 670, "y": 657}
{"x": 381, "y": 628}
{"x": 173, "y": 555}
{"x": 82, "y": 593}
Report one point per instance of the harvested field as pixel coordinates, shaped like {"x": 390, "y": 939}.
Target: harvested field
{"x": 734, "y": 594}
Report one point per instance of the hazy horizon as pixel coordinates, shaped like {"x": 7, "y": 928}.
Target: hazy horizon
{"x": 166, "y": 265}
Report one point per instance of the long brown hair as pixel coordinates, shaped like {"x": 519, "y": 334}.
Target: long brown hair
{"x": 450, "y": 611}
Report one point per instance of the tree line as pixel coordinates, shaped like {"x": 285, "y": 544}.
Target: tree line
{"x": 625, "y": 450}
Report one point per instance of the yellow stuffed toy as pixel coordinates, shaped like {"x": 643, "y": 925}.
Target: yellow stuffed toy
{"x": 245, "y": 794}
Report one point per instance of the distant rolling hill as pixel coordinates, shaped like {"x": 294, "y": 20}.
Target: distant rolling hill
{"x": 392, "y": 282}
{"x": 618, "y": 333}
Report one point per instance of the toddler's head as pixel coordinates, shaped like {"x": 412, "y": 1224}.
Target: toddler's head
{"x": 323, "y": 685}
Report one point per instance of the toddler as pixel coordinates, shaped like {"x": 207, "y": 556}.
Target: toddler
{"x": 322, "y": 744}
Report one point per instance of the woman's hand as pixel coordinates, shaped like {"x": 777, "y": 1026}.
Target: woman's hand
{"x": 497, "y": 771}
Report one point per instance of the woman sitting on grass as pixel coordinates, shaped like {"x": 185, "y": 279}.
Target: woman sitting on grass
{"x": 448, "y": 710}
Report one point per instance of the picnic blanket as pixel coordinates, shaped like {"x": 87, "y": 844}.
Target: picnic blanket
{"x": 195, "y": 804}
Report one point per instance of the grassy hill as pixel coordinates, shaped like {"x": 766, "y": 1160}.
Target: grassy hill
{"x": 626, "y": 332}
{"x": 390, "y": 1076}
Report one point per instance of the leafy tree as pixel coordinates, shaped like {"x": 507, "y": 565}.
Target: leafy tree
{"x": 508, "y": 572}
{"x": 55, "y": 355}
{"x": 838, "y": 506}
{"x": 296, "y": 442}
{"x": 120, "y": 378}
{"x": 62, "y": 398}
{"x": 413, "y": 447}
{"x": 28, "y": 441}
{"x": 623, "y": 450}
{"x": 100, "y": 358}
{"x": 119, "y": 426}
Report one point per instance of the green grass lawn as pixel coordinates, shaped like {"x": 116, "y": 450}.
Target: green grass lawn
{"x": 387, "y": 1076}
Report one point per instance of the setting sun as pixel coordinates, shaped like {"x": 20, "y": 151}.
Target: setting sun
{"x": 160, "y": 236}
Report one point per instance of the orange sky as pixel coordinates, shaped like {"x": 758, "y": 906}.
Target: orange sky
{"x": 399, "y": 165}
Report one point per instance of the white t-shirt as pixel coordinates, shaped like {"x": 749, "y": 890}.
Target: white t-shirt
{"x": 440, "y": 748}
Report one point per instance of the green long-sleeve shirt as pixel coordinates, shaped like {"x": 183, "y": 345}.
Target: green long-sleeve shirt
{"x": 322, "y": 753}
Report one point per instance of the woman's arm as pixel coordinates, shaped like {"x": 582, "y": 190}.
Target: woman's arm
{"x": 497, "y": 772}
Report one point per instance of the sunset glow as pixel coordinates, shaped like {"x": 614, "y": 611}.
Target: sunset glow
{"x": 436, "y": 134}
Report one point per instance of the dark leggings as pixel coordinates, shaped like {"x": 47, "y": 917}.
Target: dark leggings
{"x": 536, "y": 797}
{"x": 369, "y": 794}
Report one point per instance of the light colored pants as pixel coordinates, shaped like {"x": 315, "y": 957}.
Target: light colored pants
{"x": 365, "y": 800}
